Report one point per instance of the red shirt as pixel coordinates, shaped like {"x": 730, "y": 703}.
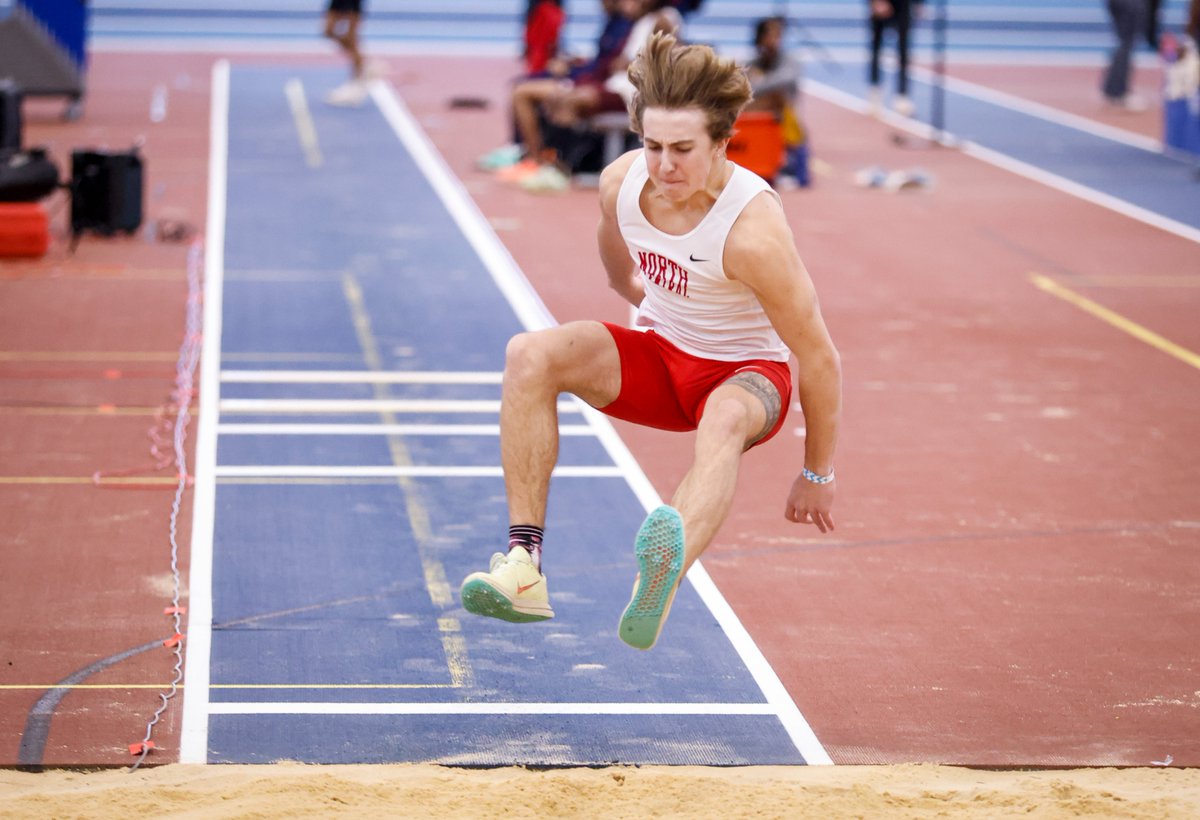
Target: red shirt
{"x": 541, "y": 35}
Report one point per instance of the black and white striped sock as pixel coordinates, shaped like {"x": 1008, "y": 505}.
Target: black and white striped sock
{"x": 529, "y": 537}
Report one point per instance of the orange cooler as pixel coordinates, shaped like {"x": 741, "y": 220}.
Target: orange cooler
{"x": 757, "y": 144}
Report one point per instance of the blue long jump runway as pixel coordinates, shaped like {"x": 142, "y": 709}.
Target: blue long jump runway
{"x": 351, "y": 433}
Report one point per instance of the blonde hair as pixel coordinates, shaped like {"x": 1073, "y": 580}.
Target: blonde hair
{"x": 673, "y": 76}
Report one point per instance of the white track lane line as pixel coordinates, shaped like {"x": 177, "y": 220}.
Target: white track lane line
{"x": 393, "y": 471}
{"x": 368, "y": 406}
{"x": 233, "y": 429}
{"x": 193, "y": 744}
{"x": 358, "y": 377}
{"x": 389, "y": 708}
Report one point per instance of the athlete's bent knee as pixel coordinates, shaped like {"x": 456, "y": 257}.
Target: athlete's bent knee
{"x": 524, "y": 357}
{"x": 726, "y": 418}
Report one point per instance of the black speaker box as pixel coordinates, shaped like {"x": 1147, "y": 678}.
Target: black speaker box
{"x": 106, "y": 192}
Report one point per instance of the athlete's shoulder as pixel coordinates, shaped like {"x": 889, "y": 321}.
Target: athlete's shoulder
{"x": 760, "y": 230}
{"x": 614, "y": 175}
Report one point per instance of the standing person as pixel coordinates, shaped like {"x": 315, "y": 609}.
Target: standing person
{"x": 703, "y": 249}
{"x": 896, "y": 14}
{"x": 342, "y": 21}
{"x": 1129, "y": 23}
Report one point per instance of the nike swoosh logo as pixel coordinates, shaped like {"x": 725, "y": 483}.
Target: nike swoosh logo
{"x": 694, "y": 259}
{"x": 521, "y": 589}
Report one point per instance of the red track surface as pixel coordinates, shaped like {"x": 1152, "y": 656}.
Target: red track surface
{"x": 1013, "y": 580}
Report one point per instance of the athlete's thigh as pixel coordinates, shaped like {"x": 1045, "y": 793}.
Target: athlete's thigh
{"x": 585, "y": 359}
{"x": 540, "y": 89}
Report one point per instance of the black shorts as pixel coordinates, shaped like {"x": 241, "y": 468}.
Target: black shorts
{"x": 346, "y": 6}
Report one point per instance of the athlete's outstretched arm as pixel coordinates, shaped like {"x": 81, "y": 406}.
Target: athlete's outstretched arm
{"x": 761, "y": 253}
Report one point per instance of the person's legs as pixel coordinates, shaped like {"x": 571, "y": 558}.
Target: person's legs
{"x": 579, "y": 358}
{"x": 527, "y": 99}
{"x": 902, "y": 104}
{"x": 877, "y": 27}
{"x": 744, "y": 410}
{"x": 342, "y": 28}
{"x": 875, "y": 92}
{"x": 902, "y": 31}
{"x": 737, "y": 413}
{"x": 575, "y": 104}
{"x": 1128, "y": 19}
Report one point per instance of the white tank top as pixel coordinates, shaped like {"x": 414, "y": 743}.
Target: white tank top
{"x": 689, "y": 299}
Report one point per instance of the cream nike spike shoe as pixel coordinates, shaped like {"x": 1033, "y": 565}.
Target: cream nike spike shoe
{"x": 512, "y": 589}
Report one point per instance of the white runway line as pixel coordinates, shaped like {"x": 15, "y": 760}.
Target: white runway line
{"x": 359, "y": 377}
{"x": 233, "y": 429}
{"x": 396, "y": 471}
{"x": 274, "y": 708}
{"x": 268, "y": 406}
{"x": 193, "y": 743}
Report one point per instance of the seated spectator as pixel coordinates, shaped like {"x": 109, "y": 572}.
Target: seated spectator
{"x": 655, "y": 15}
{"x": 567, "y": 110}
{"x": 517, "y": 161}
{"x": 775, "y": 78}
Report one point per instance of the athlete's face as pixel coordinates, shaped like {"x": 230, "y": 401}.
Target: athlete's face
{"x": 680, "y": 154}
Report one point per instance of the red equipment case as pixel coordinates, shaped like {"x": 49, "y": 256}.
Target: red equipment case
{"x": 24, "y": 229}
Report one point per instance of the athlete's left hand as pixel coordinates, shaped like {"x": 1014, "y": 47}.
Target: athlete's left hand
{"x": 810, "y": 503}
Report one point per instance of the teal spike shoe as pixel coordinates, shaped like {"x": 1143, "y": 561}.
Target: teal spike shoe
{"x": 659, "y": 551}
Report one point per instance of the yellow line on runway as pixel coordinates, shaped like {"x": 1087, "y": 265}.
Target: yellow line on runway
{"x": 39, "y": 686}
{"x": 117, "y": 278}
{"x": 302, "y": 480}
{"x": 436, "y": 583}
{"x": 1164, "y": 281}
{"x": 108, "y": 686}
{"x": 85, "y": 356}
{"x": 332, "y": 686}
{"x": 72, "y": 479}
{"x": 151, "y": 356}
{"x": 305, "y": 129}
{"x": 94, "y": 410}
{"x": 1116, "y": 320}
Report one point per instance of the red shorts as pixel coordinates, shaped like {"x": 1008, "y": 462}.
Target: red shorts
{"x": 666, "y": 388}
